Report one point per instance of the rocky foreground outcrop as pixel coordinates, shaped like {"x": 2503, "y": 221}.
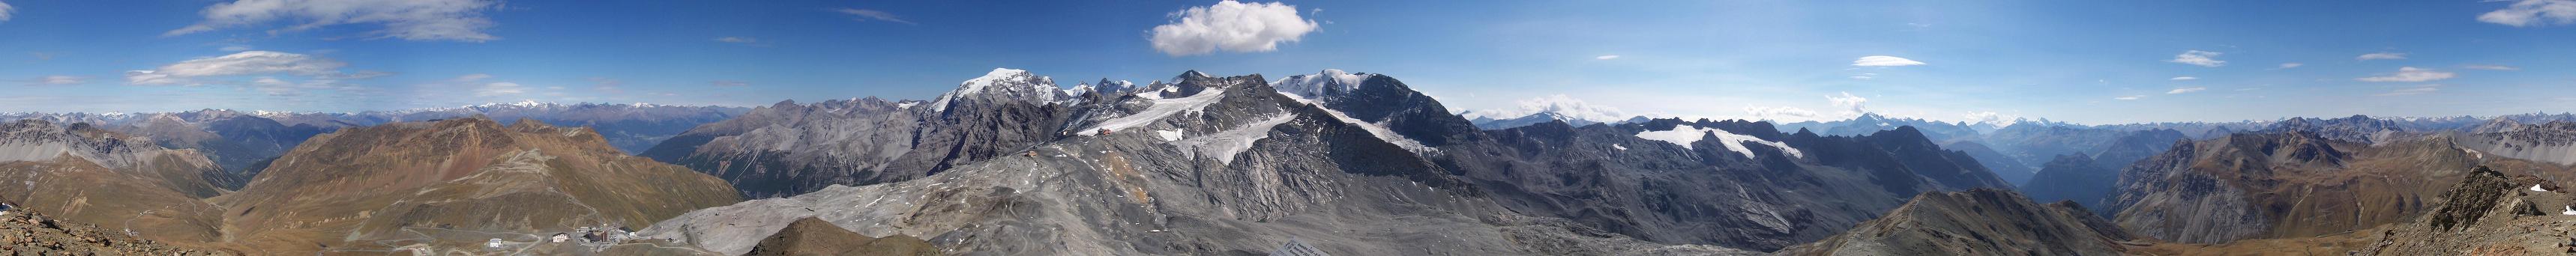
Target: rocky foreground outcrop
{"x": 1976, "y": 222}
{"x": 28, "y": 232}
{"x": 811, "y": 236}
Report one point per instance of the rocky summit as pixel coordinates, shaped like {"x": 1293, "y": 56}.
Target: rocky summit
{"x": 1976, "y": 222}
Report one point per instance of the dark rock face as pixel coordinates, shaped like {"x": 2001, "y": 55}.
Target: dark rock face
{"x": 1976, "y": 222}
{"x": 2472, "y": 199}
{"x": 1607, "y": 176}
{"x": 811, "y": 236}
{"x": 788, "y": 149}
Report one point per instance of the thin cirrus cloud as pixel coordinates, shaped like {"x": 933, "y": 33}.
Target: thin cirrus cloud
{"x": 2410, "y": 74}
{"x": 2199, "y": 58}
{"x": 242, "y": 63}
{"x": 1884, "y": 61}
{"x": 2423, "y": 89}
{"x": 2186, "y": 90}
{"x": 417, "y": 20}
{"x": 2382, "y": 56}
{"x": 729, "y": 83}
{"x": 1230, "y": 26}
{"x": 866, "y": 14}
{"x": 2533, "y": 13}
{"x": 2290, "y": 65}
{"x": 5, "y": 10}
{"x": 58, "y": 80}
{"x": 2492, "y": 67}
{"x": 1606, "y": 57}
{"x": 2184, "y": 78}
{"x": 2130, "y": 97}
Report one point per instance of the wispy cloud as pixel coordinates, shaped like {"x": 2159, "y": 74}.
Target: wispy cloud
{"x": 6, "y": 10}
{"x": 742, "y": 41}
{"x": 2492, "y": 67}
{"x": 242, "y": 63}
{"x": 2290, "y": 65}
{"x": 2382, "y": 56}
{"x": 422, "y": 20}
{"x": 2410, "y": 74}
{"x": 866, "y": 14}
{"x": 57, "y": 80}
{"x": 729, "y": 83}
{"x": 2199, "y": 58}
{"x": 2529, "y": 13}
{"x": 2184, "y": 78}
{"x": 2130, "y": 97}
{"x": 1230, "y": 26}
{"x": 2422, "y": 89}
{"x": 1884, "y": 61}
{"x": 1606, "y": 57}
{"x": 2186, "y": 90}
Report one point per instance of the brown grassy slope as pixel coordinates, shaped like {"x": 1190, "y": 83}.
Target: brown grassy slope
{"x": 388, "y": 185}
{"x": 2282, "y": 185}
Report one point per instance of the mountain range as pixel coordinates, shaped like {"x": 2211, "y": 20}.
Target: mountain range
{"x": 1345, "y": 163}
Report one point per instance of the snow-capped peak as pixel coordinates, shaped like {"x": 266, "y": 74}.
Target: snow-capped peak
{"x": 1017, "y": 83}
{"x": 1315, "y": 85}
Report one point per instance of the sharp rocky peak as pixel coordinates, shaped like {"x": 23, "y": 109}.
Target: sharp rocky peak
{"x": 1002, "y": 84}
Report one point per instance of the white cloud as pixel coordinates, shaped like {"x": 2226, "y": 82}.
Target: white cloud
{"x": 1559, "y": 104}
{"x": 2199, "y": 58}
{"x": 2422, "y": 89}
{"x": 2184, "y": 78}
{"x": 725, "y": 83}
{"x": 499, "y": 89}
{"x": 242, "y": 63}
{"x": 2410, "y": 74}
{"x": 742, "y": 40}
{"x": 2492, "y": 67}
{"x": 1606, "y": 57}
{"x": 1989, "y": 117}
{"x": 59, "y": 80}
{"x": 2382, "y": 56}
{"x": 2186, "y": 90}
{"x": 5, "y": 10}
{"x": 1852, "y": 105}
{"x": 1884, "y": 61}
{"x": 2130, "y": 97}
{"x": 420, "y": 20}
{"x": 1784, "y": 114}
{"x": 866, "y": 14}
{"x": 2290, "y": 65}
{"x": 2527, "y": 13}
{"x": 1231, "y": 26}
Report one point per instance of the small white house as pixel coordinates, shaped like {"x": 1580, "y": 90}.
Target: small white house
{"x": 494, "y": 244}
{"x": 561, "y": 237}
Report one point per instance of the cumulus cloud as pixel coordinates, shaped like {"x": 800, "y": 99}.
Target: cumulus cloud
{"x": 1605, "y": 57}
{"x": 729, "y": 83}
{"x": 419, "y": 20}
{"x": 2410, "y": 74}
{"x": 2422, "y": 89}
{"x": 1559, "y": 104}
{"x": 2199, "y": 58}
{"x": 2290, "y": 65}
{"x": 2382, "y": 56}
{"x": 2184, "y": 78}
{"x": 1231, "y": 26}
{"x": 241, "y": 63}
{"x": 1884, "y": 61}
{"x": 2527, "y": 13}
{"x": 2492, "y": 67}
{"x": 2186, "y": 90}
{"x": 1851, "y": 105}
{"x": 2130, "y": 97}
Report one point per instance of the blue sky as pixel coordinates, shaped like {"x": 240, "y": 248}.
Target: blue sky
{"x": 2082, "y": 61}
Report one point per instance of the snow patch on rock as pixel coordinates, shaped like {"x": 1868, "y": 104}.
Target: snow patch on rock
{"x": 1161, "y": 108}
{"x": 1380, "y": 131}
{"x": 1226, "y": 144}
{"x": 1684, "y": 135}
